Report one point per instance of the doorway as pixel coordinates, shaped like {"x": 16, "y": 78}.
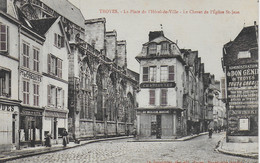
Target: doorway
{"x": 159, "y": 126}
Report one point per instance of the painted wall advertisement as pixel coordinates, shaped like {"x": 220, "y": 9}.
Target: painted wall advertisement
{"x": 242, "y": 94}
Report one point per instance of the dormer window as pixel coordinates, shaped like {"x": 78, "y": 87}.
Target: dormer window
{"x": 165, "y": 48}
{"x": 152, "y": 49}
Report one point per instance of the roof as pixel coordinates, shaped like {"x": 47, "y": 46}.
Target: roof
{"x": 41, "y": 26}
{"x": 246, "y": 40}
{"x": 159, "y": 40}
{"x": 66, "y": 9}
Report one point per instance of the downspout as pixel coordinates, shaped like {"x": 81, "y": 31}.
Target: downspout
{"x": 19, "y": 41}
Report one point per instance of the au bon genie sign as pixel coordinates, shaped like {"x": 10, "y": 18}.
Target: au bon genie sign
{"x": 158, "y": 85}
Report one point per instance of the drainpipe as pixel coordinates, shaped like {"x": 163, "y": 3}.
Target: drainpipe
{"x": 19, "y": 41}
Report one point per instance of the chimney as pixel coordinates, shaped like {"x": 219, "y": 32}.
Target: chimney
{"x": 154, "y": 34}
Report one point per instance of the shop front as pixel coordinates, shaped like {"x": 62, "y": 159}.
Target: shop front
{"x": 30, "y": 127}
{"x": 158, "y": 123}
{"x": 55, "y": 121}
{"x": 9, "y": 115}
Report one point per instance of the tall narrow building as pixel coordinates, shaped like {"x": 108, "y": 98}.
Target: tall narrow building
{"x": 162, "y": 71}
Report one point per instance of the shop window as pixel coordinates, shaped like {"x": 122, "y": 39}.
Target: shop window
{"x": 152, "y": 97}
{"x": 26, "y": 55}
{"x": 163, "y": 97}
{"x": 36, "y": 60}
{"x": 152, "y": 73}
{"x": 36, "y": 94}
{"x": 58, "y": 40}
{"x": 26, "y": 92}
{"x": 152, "y": 49}
{"x": 5, "y": 83}
{"x": 3, "y": 37}
{"x": 54, "y": 66}
{"x": 145, "y": 73}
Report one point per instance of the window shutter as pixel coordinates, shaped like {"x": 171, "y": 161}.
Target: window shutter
{"x": 62, "y": 97}
{"x": 171, "y": 73}
{"x": 4, "y": 38}
{"x": 49, "y": 63}
{"x": 145, "y": 73}
{"x": 60, "y": 68}
{"x": 10, "y": 84}
{"x": 62, "y": 41}
{"x": 56, "y": 97}
{"x": 56, "y": 66}
{"x": 49, "y": 94}
{"x": 55, "y": 39}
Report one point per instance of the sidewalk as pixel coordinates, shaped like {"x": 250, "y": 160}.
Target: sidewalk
{"x": 169, "y": 140}
{"x": 27, "y": 152}
{"x": 249, "y": 150}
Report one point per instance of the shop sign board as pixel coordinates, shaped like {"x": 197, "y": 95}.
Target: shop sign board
{"x": 242, "y": 96}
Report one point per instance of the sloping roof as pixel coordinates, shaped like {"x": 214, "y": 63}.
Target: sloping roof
{"x": 43, "y": 25}
{"x": 246, "y": 40}
{"x": 159, "y": 39}
{"x": 66, "y": 9}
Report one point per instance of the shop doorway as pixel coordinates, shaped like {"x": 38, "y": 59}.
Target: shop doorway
{"x": 159, "y": 126}
{"x": 156, "y": 126}
{"x": 33, "y": 134}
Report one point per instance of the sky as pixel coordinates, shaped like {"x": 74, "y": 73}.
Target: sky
{"x": 200, "y": 25}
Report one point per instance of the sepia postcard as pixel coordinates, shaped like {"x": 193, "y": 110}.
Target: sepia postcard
{"x": 129, "y": 81}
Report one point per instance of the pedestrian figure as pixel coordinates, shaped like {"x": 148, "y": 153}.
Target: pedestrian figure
{"x": 48, "y": 140}
{"x": 210, "y": 132}
{"x": 64, "y": 138}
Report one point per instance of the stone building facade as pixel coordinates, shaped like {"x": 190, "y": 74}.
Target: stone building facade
{"x": 101, "y": 88}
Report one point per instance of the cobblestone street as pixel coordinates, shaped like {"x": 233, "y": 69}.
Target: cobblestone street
{"x": 199, "y": 150}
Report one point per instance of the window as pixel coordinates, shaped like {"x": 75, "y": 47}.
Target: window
{"x": 25, "y": 55}
{"x": 164, "y": 73}
{"x": 153, "y": 73}
{"x": 145, "y": 73}
{"x": 5, "y": 83}
{"x": 55, "y": 96}
{"x": 152, "y": 49}
{"x": 54, "y": 66}
{"x": 152, "y": 97}
{"x": 171, "y": 73}
{"x": 3, "y": 38}
{"x": 165, "y": 48}
{"x": 163, "y": 96}
{"x": 36, "y": 60}
{"x": 58, "y": 40}
{"x": 167, "y": 73}
{"x": 60, "y": 97}
{"x": 244, "y": 54}
{"x": 26, "y": 92}
{"x": 35, "y": 94}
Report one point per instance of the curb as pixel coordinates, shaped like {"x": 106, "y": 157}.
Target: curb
{"x": 254, "y": 156}
{"x": 218, "y": 149}
{"x": 62, "y": 148}
{"x": 171, "y": 140}
{"x": 192, "y": 137}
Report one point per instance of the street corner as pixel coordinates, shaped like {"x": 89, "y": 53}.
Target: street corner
{"x": 248, "y": 150}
